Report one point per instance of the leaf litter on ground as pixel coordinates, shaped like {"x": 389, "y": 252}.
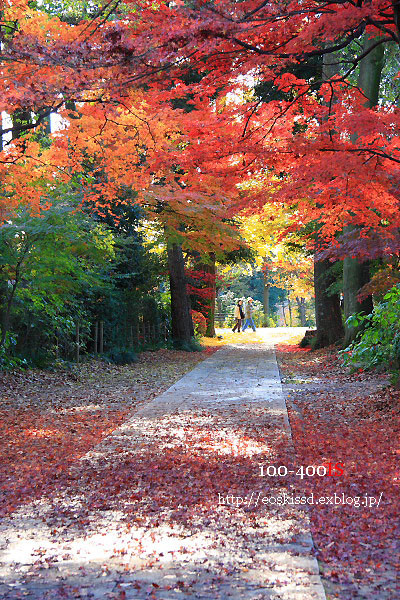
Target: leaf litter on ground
{"x": 50, "y": 419}
{"x": 354, "y": 419}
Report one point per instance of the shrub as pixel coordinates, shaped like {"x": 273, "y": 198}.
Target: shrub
{"x": 8, "y": 362}
{"x": 199, "y": 323}
{"x": 192, "y": 346}
{"x": 378, "y": 344}
{"x": 121, "y": 356}
{"x": 308, "y": 338}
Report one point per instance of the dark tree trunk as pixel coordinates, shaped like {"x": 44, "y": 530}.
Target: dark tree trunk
{"x": 5, "y": 321}
{"x": 301, "y": 304}
{"x": 3, "y": 298}
{"x": 101, "y": 337}
{"x": 266, "y": 287}
{"x": 209, "y": 268}
{"x": 328, "y": 315}
{"x": 219, "y": 309}
{"x": 290, "y": 313}
{"x": 8, "y": 303}
{"x": 181, "y": 326}
{"x": 284, "y": 314}
{"x": 355, "y": 275}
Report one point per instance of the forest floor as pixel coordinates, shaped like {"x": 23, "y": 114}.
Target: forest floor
{"x": 354, "y": 419}
{"x": 167, "y": 506}
{"x": 49, "y": 420}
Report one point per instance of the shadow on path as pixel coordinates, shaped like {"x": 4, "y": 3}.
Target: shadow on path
{"x": 171, "y": 504}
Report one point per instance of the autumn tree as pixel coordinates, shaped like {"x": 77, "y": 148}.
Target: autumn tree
{"x": 356, "y": 274}
{"x": 335, "y": 161}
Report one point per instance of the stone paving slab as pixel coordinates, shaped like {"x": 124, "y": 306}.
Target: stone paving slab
{"x": 140, "y": 541}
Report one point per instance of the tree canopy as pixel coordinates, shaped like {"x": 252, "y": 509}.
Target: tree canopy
{"x": 124, "y": 69}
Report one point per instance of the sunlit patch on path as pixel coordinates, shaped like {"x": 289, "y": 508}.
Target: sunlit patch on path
{"x": 165, "y": 507}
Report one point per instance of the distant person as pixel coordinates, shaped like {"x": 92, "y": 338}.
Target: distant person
{"x": 248, "y": 313}
{"x": 239, "y": 316}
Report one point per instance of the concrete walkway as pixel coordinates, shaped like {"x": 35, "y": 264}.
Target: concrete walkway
{"x": 166, "y": 507}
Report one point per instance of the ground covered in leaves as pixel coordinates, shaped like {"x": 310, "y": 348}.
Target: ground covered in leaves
{"x": 354, "y": 419}
{"x": 50, "y": 419}
{"x": 167, "y": 506}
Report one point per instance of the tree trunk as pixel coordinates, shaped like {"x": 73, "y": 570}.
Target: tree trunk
{"x": 284, "y": 314}
{"x": 7, "y": 305}
{"x": 96, "y": 337}
{"x": 328, "y": 315}
{"x": 219, "y": 308}
{"x": 266, "y": 287}
{"x": 210, "y": 316}
{"x": 5, "y": 321}
{"x": 3, "y": 304}
{"x": 101, "y": 337}
{"x": 301, "y": 304}
{"x": 355, "y": 273}
{"x": 180, "y": 312}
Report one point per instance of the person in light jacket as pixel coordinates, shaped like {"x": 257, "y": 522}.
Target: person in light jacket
{"x": 249, "y": 315}
{"x": 239, "y": 316}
